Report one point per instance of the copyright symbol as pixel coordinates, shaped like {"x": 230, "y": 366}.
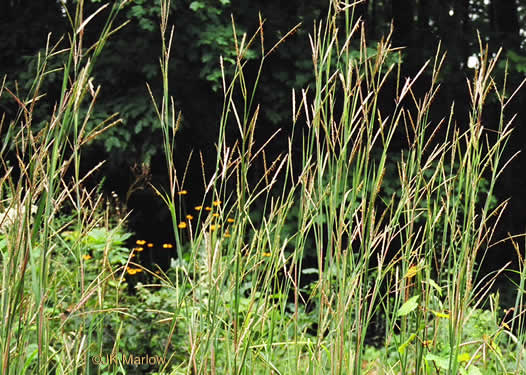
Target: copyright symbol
{"x": 96, "y": 359}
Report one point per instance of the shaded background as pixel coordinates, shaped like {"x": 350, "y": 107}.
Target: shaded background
{"x": 203, "y": 32}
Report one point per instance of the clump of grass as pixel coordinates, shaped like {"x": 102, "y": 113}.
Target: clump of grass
{"x": 235, "y": 300}
{"x": 411, "y": 259}
{"x": 42, "y": 274}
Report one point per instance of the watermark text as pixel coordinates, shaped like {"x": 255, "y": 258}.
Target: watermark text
{"x": 127, "y": 359}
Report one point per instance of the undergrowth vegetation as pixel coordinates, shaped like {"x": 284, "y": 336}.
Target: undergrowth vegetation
{"x": 398, "y": 236}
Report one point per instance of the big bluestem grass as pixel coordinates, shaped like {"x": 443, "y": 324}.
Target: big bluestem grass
{"x": 42, "y": 274}
{"x": 411, "y": 259}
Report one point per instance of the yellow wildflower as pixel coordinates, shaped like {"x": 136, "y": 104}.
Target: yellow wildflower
{"x": 132, "y": 271}
{"x": 167, "y": 245}
{"x": 86, "y": 257}
{"x": 230, "y": 220}
{"x": 207, "y": 208}
{"x": 266, "y": 254}
{"x": 138, "y": 249}
{"x": 183, "y": 192}
{"x": 217, "y": 203}
{"x": 189, "y": 217}
{"x": 427, "y": 343}
{"x": 140, "y": 242}
{"x": 215, "y": 214}
{"x": 181, "y": 225}
{"x": 439, "y": 314}
{"x": 150, "y": 244}
{"x": 227, "y": 235}
{"x": 214, "y": 227}
{"x": 198, "y": 208}
{"x": 411, "y": 272}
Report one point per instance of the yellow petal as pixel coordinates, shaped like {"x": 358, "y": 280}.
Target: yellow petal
{"x": 411, "y": 272}
{"x": 438, "y": 314}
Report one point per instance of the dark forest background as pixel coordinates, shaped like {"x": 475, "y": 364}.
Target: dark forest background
{"x": 203, "y": 32}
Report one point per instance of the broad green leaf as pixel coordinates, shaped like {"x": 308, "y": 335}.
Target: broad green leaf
{"x": 441, "y": 362}
{"x": 474, "y": 370}
{"x": 410, "y": 305}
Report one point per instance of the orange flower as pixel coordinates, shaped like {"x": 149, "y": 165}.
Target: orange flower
{"x": 150, "y": 244}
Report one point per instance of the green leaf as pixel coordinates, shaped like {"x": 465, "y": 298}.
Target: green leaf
{"x": 401, "y": 348}
{"x": 441, "y": 362}
{"x": 474, "y": 370}
{"x": 196, "y": 5}
{"x": 410, "y": 305}
{"x": 435, "y": 286}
